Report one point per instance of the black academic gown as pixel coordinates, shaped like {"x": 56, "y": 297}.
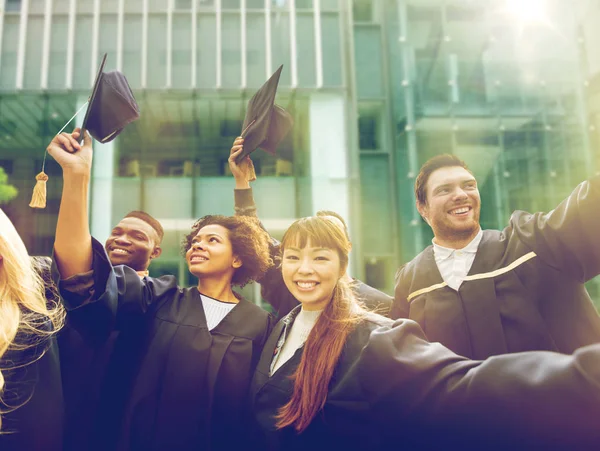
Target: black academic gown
{"x": 273, "y": 287}
{"x": 525, "y": 289}
{"x": 33, "y": 382}
{"x": 392, "y": 389}
{"x": 83, "y": 368}
{"x": 185, "y": 387}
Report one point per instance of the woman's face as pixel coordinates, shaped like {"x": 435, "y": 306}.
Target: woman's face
{"x": 211, "y": 254}
{"x": 311, "y": 274}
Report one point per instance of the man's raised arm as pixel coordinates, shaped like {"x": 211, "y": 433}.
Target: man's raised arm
{"x": 73, "y": 242}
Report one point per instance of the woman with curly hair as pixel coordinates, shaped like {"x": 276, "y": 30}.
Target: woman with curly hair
{"x": 31, "y": 401}
{"x": 189, "y": 353}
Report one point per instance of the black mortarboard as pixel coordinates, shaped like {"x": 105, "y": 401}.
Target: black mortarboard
{"x": 265, "y": 124}
{"x": 111, "y": 107}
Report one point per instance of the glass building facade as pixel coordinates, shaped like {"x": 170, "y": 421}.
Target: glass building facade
{"x": 376, "y": 87}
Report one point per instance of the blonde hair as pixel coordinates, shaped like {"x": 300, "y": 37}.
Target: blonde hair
{"x": 24, "y": 307}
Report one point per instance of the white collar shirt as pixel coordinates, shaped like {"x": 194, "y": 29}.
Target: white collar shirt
{"x": 454, "y": 264}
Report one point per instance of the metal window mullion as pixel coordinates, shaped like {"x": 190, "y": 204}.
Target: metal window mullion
{"x": 318, "y": 43}
{"x": 70, "y": 45}
{"x": 95, "y": 41}
{"x": 144, "y": 79}
{"x": 293, "y": 49}
{"x": 411, "y": 139}
{"x": 120, "y": 25}
{"x": 169, "y": 49}
{"x": 269, "y": 57}
{"x": 46, "y": 44}
{"x": 218, "y": 41}
{"x": 22, "y": 44}
{"x": 243, "y": 42}
{"x": 194, "y": 43}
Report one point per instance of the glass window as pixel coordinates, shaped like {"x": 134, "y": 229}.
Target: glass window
{"x": 181, "y": 73}
{"x": 157, "y": 51}
{"x": 134, "y": 6}
{"x": 87, "y": 6}
{"x": 280, "y": 46}
{"x": 59, "y": 35}
{"x": 13, "y": 5}
{"x": 10, "y": 41}
{"x": 82, "y": 57}
{"x": 331, "y": 49}
{"x": 255, "y": 50}
{"x": 368, "y": 59}
{"x": 362, "y": 10}
{"x": 230, "y": 4}
{"x": 376, "y": 204}
{"x": 37, "y": 6}
{"x": 305, "y": 41}
{"x": 304, "y": 4}
{"x": 255, "y": 4}
{"x": 231, "y": 75}
{"x": 206, "y": 59}
{"x": 132, "y": 49}
{"x": 107, "y": 41}
{"x": 329, "y": 5}
{"x": 429, "y": 68}
{"x": 33, "y": 52}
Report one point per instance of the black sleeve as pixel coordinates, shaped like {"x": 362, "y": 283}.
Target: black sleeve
{"x": 273, "y": 289}
{"x": 567, "y": 237}
{"x": 400, "y": 307}
{"x": 532, "y": 400}
{"x": 108, "y": 298}
{"x": 244, "y": 203}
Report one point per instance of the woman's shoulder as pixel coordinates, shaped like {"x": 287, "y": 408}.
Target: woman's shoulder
{"x": 363, "y": 329}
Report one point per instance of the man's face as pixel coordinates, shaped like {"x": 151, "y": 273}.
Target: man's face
{"x": 134, "y": 243}
{"x": 453, "y": 204}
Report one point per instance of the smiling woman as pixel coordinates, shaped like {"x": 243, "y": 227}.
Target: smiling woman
{"x": 337, "y": 377}
{"x": 181, "y": 369}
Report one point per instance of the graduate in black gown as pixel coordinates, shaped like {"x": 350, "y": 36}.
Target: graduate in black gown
{"x": 192, "y": 350}
{"x": 31, "y": 398}
{"x": 333, "y": 376}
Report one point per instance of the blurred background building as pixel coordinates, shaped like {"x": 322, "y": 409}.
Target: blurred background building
{"x": 376, "y": 87}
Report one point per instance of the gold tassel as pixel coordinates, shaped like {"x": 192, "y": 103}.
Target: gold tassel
{"x": 38, "y": 200}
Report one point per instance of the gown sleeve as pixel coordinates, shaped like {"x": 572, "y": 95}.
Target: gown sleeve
{"x": 567, "y": 237}
{"x": 109, "y": 298}
{"x": 273, "y": 289}
{"x": 531, "y": 400}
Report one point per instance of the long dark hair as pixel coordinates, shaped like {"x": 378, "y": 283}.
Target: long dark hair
{"x": 326, "y": 340}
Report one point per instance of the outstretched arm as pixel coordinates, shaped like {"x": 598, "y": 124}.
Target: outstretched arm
{"x": 73, "y": 243}
{"x": 567, "y": 237}
{"x": 529, "y": 399}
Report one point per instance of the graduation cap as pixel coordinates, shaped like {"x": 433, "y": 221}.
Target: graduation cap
{"x": 109, "y": 109}
{"x": 111, "y": 106}
{"x": 265, "y": 124}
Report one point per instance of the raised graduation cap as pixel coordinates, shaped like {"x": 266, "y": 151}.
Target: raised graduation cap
{"x": 111, "y": 107}
{"x": 265, "y": 124}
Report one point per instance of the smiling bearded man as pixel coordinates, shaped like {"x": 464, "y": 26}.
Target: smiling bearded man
{"x": 488, "y": 292}
{"x": 135, "y": 241}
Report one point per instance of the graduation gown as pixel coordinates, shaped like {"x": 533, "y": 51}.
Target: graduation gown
{"x": 83, "y": 368}
{"x": 33, "y": 385}
{"x": 392, "y": 389}
{"x": 525, "y": 289}
{"x": 273, "y": 287}
{"x": 184, "y": 386}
